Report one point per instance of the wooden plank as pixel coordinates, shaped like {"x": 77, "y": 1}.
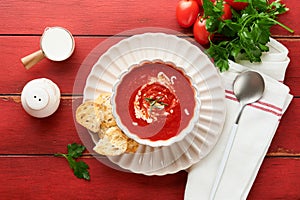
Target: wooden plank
{"x": 104, "y": 17}
{"x": 51, "y": 178}
{"x": 23, "y": 134}
{"x": 278, "y": 178}
{"x": 86, "y": 17}
{"x": 287, "y": 138}
{"x": 87, "y": 51}
{"x": 293, "y": 82}
{"x": 294, "y": 53}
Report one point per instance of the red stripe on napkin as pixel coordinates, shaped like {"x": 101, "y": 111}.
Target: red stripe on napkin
{"x": 229, "y": 92}
{"x": 266, "y": 109}
{"x": 271, "y": 106}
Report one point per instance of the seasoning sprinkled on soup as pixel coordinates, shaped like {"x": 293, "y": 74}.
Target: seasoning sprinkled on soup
{"x": 155, "y": 100}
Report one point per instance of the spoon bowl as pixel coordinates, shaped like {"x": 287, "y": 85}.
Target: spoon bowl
{"x": 248, "y": 87}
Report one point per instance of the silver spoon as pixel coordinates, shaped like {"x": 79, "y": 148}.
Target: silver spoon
{"x": 248, "y": 87}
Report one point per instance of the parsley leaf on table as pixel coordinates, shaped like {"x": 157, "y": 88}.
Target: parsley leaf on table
{"x": 79, "y": 168}
{"x": 247, "y": 32}
{"x": 75, "y": 150}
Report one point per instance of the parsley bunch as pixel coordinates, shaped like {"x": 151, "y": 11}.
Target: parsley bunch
{"x": 79, "y": 168}
{"x": 247, "y": 32}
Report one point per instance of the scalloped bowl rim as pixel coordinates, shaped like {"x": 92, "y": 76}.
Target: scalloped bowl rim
{"x": 158, "y": 143}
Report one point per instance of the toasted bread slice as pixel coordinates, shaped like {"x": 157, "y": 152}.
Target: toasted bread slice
{"x": 90, "y": 116}
{"x": 132, "y": 146}
{"x": 108, "y": 119}
{"x": 97, "y": 116}
{"x": 112, "y": 142}
{"x": 104, "y": 99}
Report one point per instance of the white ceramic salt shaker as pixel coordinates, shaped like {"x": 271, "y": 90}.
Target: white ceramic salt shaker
{"x": 40, "y": 97}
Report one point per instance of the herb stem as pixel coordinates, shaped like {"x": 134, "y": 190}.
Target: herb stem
{"x": 282, "y": 25}
{"x": 246, "y": 21}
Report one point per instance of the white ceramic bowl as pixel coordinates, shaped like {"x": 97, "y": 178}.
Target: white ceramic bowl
{"x": 124, "y": 122}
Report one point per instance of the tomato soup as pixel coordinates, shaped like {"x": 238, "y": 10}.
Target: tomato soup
{"x": 155, "y": 100}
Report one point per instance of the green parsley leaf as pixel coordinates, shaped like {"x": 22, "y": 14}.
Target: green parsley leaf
{"x": 220, "y": 55}
{"x": 212, "y": 10}
{"x": 75, "y": 150}
{"x": 229, "y": 28}
{"x": 247, "y": 32}
{"x": 260, "y": 5}
{"x": 245, "y": 1}
{"x": 79, "y": 168}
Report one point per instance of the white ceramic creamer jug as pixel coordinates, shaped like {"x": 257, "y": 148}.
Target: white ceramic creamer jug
{"x": 56, "y": 44}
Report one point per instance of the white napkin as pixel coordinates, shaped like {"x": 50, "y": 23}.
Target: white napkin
{"x": 257, "y": 127}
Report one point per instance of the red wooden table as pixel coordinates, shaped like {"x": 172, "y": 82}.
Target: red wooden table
{"x": 28, "y": 169}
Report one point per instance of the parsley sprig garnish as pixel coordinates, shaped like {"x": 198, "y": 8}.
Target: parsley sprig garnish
{"x": 247, "y": 32}
{"x": 79, "y": 168}
{"x": 155, "y": 103}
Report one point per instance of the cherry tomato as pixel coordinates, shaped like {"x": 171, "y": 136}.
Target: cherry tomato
{"x": 187, "y": 12}
{"x": 227, "y": 12}
{"x": 200, "y": 33}
{"x": 237, "y": 5}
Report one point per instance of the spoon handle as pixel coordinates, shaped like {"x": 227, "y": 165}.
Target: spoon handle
{"x": 223, "y": 161}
